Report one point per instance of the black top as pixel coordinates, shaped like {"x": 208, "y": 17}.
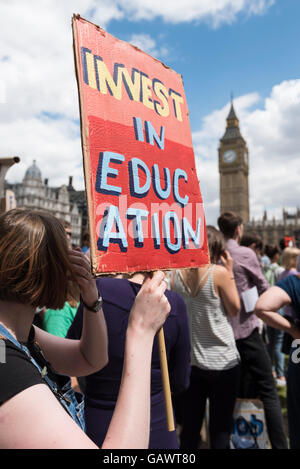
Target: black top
{"x": 17, "y": 373}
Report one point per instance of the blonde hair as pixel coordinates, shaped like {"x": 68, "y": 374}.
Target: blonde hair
{"x": 289, "y": 258}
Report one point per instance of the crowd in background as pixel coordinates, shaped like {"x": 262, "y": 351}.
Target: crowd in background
{"x": 217, "y": 350}
{"x": 229, "y": 358}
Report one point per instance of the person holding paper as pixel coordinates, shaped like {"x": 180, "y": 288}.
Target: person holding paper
{"x": 255, "y": 361}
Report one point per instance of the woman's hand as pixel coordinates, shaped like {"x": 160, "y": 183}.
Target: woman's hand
{"x": 81, "y": 269}
{"x": 151, "y": 306}
{"x": 227, "y": 261}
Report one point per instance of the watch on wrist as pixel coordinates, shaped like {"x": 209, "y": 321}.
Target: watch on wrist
{"x": 95, "y": 308}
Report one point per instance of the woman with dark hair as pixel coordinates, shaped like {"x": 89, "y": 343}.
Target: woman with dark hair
{"x": 211, "y": 296}
{"x": 37, "y": 406}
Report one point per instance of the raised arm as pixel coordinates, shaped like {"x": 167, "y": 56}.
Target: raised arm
{"x": 130, "y": 424}
{"x": 49, "y": 426}
{"x": 267, "y": 306}
{"x": 226, "y": 287}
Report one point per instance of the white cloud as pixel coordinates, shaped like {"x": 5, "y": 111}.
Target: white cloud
{"x": 146, "y": 43}
{"x": 215, "y": 12}
{"x": 38, "y": 80}
{"x": 37, "y": 71}
{"x": 54, "y": 144}
{"x": 272, "y": 135}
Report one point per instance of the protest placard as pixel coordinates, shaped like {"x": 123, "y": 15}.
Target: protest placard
{"x": 144, "y": 203}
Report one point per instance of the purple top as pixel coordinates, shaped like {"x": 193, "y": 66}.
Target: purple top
{"x": 102, "y": 387}
{"x": 247, "y": 274}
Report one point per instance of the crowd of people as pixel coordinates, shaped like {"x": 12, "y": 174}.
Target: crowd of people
{"x": 82, "y": 358}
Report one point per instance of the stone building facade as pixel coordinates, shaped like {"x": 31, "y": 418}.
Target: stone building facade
{"x": 272, "y": 231}
{"x": 234, "y": 169}
{"x": 36, "y": 194}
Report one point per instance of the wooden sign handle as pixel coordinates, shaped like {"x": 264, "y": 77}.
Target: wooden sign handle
{"x": 165, "y": 380}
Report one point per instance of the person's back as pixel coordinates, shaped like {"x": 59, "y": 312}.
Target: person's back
{"x": 256, "y": 370}
{"x": 211, "y": 296}
{"x": 212, "y": 340}
{"x": 272, "y": 272}
{"x": 58, "y": 321}
{"x": 102, "y": 388}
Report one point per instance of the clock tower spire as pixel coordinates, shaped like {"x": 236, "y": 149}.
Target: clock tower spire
{"x": 234, "y": 169}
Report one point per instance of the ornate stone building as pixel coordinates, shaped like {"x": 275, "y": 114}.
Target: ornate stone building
{"x": 36, "y": 194}
{"x": 234, "y": 169}
{"x": 79, "y": 198}
{"x": 234, "y": 188}
{"x": 272, "y": 231}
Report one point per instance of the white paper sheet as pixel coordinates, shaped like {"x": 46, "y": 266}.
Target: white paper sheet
{"x": 250, "y": 298}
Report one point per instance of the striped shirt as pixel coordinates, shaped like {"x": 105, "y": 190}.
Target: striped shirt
{"x": 212, "y": 341}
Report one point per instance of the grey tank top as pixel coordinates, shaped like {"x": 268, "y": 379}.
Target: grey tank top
{"x": 212, "y": 340}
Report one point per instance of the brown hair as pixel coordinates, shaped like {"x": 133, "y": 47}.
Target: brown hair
{"x": 216, "y": 243}
{"x": 228, "y": 222}
{"x": 34, "y": 261}
{"x": 271, "y": 250}
{"x": 251, "y": 237}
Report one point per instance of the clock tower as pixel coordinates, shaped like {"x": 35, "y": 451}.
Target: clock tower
{"x": 234, "y": 169}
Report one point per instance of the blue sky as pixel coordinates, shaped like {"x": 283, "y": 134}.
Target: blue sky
{"x": 245, "y": 47}
{"x": 250, "y": 55}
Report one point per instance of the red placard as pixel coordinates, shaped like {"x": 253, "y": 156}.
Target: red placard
{"x": 144, "y": 202}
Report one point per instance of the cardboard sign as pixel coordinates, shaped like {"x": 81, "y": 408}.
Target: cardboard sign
{"x": 144, "y": 202}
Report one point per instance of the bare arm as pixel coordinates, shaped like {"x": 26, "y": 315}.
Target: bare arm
{"x": 130, "y": 424}
{"x": 267, "y": 306}
{"x": 225, "y": 283}
{"x": 34, "y": 419}
{"x": 50, "y": 425}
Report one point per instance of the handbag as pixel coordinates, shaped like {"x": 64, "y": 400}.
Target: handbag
{"x": 249, "y": 428}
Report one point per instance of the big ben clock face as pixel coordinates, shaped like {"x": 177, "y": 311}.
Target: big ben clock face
{"x": 229, "y": 156}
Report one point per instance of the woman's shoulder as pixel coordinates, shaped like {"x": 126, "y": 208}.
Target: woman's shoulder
{"x": 174, "y": 297}
{"x": 290, "y": 282}
{"x": 17, "y": 373}
{"x": 219, "y": 271}
{"x": 118, "y": 291}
